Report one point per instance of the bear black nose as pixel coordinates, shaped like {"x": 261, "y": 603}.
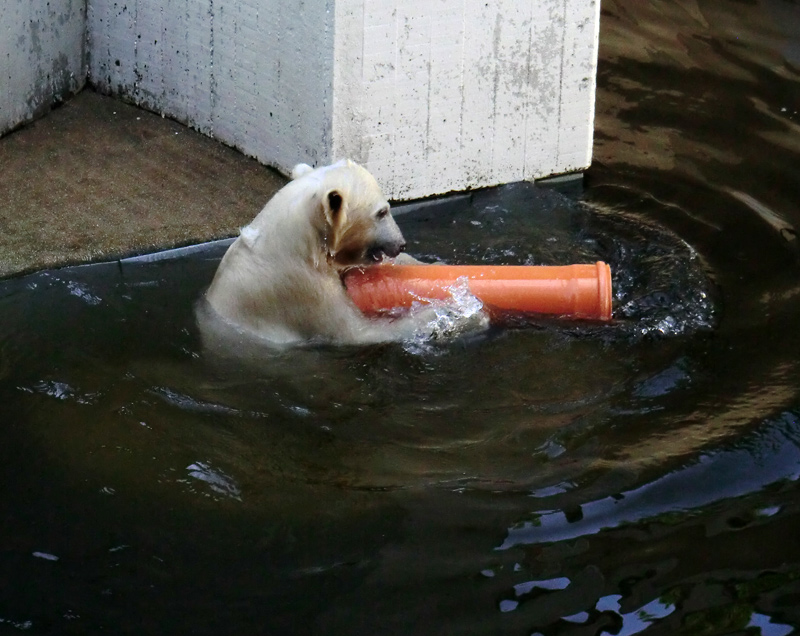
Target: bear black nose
{"x": 393, "y": 250}
{"x": 377, "y": 252}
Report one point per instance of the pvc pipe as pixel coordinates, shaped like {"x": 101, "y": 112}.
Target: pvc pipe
{"x": 569, "y": 291}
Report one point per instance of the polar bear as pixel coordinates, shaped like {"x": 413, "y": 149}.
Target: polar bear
{"x": 281, "y": 281}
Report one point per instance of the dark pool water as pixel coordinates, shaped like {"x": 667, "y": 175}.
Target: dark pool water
{"x": 544, "y": 477}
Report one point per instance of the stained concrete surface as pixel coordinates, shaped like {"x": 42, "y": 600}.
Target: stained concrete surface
{"x": 98, "y": 179}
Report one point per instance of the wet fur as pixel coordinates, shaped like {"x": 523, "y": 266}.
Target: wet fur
{"x": 281, "y": 279}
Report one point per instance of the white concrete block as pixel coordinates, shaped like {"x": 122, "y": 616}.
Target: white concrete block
{"x": 42, "y": 56}
{"x": 431, "y": 95}
{"x": 256, "y": 74}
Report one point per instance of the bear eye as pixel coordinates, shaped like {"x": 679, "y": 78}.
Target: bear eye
{"x": 382, "y": 213}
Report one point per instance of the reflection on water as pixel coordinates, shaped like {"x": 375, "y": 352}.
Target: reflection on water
{"x": 770, "y": 456}
{"x": 539, "y": 478}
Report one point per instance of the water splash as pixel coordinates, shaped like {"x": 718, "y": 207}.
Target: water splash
{"x": 662, "y": 286}
{"x": 461, "y": 313}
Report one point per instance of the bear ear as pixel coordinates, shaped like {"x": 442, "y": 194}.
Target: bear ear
{"x": 334, "y": 207}
{"x": 300, "y": 170}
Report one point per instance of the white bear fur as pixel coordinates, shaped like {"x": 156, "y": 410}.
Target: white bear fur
{"x": 281, "y": 279}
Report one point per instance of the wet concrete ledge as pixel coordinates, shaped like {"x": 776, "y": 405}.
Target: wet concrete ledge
{"x": 98, "y": 179}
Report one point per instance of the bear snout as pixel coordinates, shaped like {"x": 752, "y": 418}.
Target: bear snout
{"x": 377, "y": 251}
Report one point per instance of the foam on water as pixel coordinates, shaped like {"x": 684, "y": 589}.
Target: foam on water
{"x": 458, "y": 315}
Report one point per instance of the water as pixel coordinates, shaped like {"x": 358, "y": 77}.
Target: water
{"x": 539, "y": 477}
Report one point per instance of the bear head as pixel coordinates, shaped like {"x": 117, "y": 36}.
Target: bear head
{"x": 355, "y": 219}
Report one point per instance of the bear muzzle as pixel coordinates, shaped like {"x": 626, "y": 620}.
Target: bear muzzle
{"x": 379, "y": 250}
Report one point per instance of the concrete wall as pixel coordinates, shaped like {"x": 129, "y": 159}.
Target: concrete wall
{"x": 431, "y": 95}
{"x": 42, "y": 56}
{"x": 255, "y": 74}
{"x": 438, "y": 95}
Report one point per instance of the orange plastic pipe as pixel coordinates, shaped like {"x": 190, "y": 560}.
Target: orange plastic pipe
{"x": 570, "y": 291}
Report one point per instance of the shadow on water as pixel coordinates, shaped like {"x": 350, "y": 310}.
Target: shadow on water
{"x": 545, "y": 477}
